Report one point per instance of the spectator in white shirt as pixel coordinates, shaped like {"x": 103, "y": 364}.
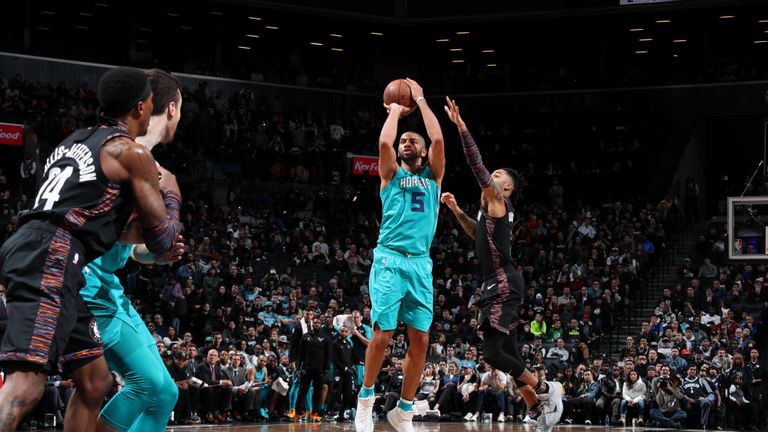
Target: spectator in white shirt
{"x": 559, "y": 351}
{"x": 586, "y": 228}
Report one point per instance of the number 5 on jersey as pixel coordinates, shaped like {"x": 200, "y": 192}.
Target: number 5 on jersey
{"x": 417, "y": 202}
{"x": 50, "y": 190}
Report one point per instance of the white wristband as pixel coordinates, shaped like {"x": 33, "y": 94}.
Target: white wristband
{"x": 419, "y": 99}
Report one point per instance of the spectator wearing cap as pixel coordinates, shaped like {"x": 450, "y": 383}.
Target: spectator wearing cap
{"x": 180, "y": 374}
{"x": 668, "y": 399}
{"x": 686, "y": 269}
{"x": 268, "y": 315}
{"x": 469, "y": 361}
{"x": 467, "y": 388}
{"x": 283, "y": 345}
{"x": 540, "y": 369}
{"x": 648, "y": 374}
{"x": 614, "y": 257}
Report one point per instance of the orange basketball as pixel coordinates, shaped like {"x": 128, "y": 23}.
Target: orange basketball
{"x": 398, "y": 92}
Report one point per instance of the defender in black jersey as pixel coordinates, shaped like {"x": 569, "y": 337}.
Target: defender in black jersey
{"x": 93, "y": 181}
{"x": 502, "y": 289}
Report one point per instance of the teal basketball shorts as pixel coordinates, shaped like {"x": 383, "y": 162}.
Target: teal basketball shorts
{"x": 401, "y": 290}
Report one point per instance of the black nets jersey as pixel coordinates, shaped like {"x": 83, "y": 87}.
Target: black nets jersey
{"x": 76, "y": 195}
{"x": 493, "y": 241}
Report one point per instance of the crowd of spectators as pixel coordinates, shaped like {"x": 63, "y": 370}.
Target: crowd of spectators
{"x": 696, "y": 361}
{"x": 265, "y": 270}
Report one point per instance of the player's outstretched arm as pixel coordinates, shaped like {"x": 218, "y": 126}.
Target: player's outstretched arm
{"x": 491, "y": 192}
{"x": 157, "y": 208}
{"x": 467, "y": 223}
{"x": 387, "y": 155}
{"x": 437, "y": 145}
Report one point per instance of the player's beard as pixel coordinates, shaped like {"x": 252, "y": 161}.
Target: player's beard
{"x": 410, "y": 158}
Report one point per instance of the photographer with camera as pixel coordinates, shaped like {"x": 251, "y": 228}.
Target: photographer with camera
{"x": 668, "y": 398}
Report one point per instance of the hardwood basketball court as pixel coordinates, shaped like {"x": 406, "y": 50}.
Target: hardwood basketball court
{"x": 420, "y": 427}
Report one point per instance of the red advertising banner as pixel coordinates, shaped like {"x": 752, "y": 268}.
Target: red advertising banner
{"x": 363, "y": 164}
{"x": 11, "y": 134}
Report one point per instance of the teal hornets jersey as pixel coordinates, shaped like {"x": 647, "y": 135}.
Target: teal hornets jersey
{"x": 103, "y": 292}
{"x": 410, "y": 203}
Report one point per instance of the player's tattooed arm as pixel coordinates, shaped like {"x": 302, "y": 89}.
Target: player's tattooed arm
{"x": 467, "y": 223}
{"x": 117, "y": 147}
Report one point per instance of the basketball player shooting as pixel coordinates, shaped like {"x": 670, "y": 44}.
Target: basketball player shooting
{"x": 401, "y": 276}
{"x": 503, "y": 286}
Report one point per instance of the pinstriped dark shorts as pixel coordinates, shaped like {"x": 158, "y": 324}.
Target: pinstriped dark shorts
{"x": 500, "y": 302}
{"x": 48, "y": 322}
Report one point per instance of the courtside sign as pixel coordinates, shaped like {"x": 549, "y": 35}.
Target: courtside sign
{"x": 11, "y": 134}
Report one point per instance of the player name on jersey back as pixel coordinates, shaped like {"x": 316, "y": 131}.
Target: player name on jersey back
{"x": 81, "y": 154}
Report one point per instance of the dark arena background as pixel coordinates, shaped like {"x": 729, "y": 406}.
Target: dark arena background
{"x": 639, "y": 126}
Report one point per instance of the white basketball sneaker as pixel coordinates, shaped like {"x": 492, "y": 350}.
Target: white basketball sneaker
{"x": 401, "y": 420}
{"x": 364, "y": 414}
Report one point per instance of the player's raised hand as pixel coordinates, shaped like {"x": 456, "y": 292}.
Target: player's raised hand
{"x": 449, "y": 200}
{"x": 404, "y": 111}
{"x": 416, "y": 90}
{"x": 453, "y": 113}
